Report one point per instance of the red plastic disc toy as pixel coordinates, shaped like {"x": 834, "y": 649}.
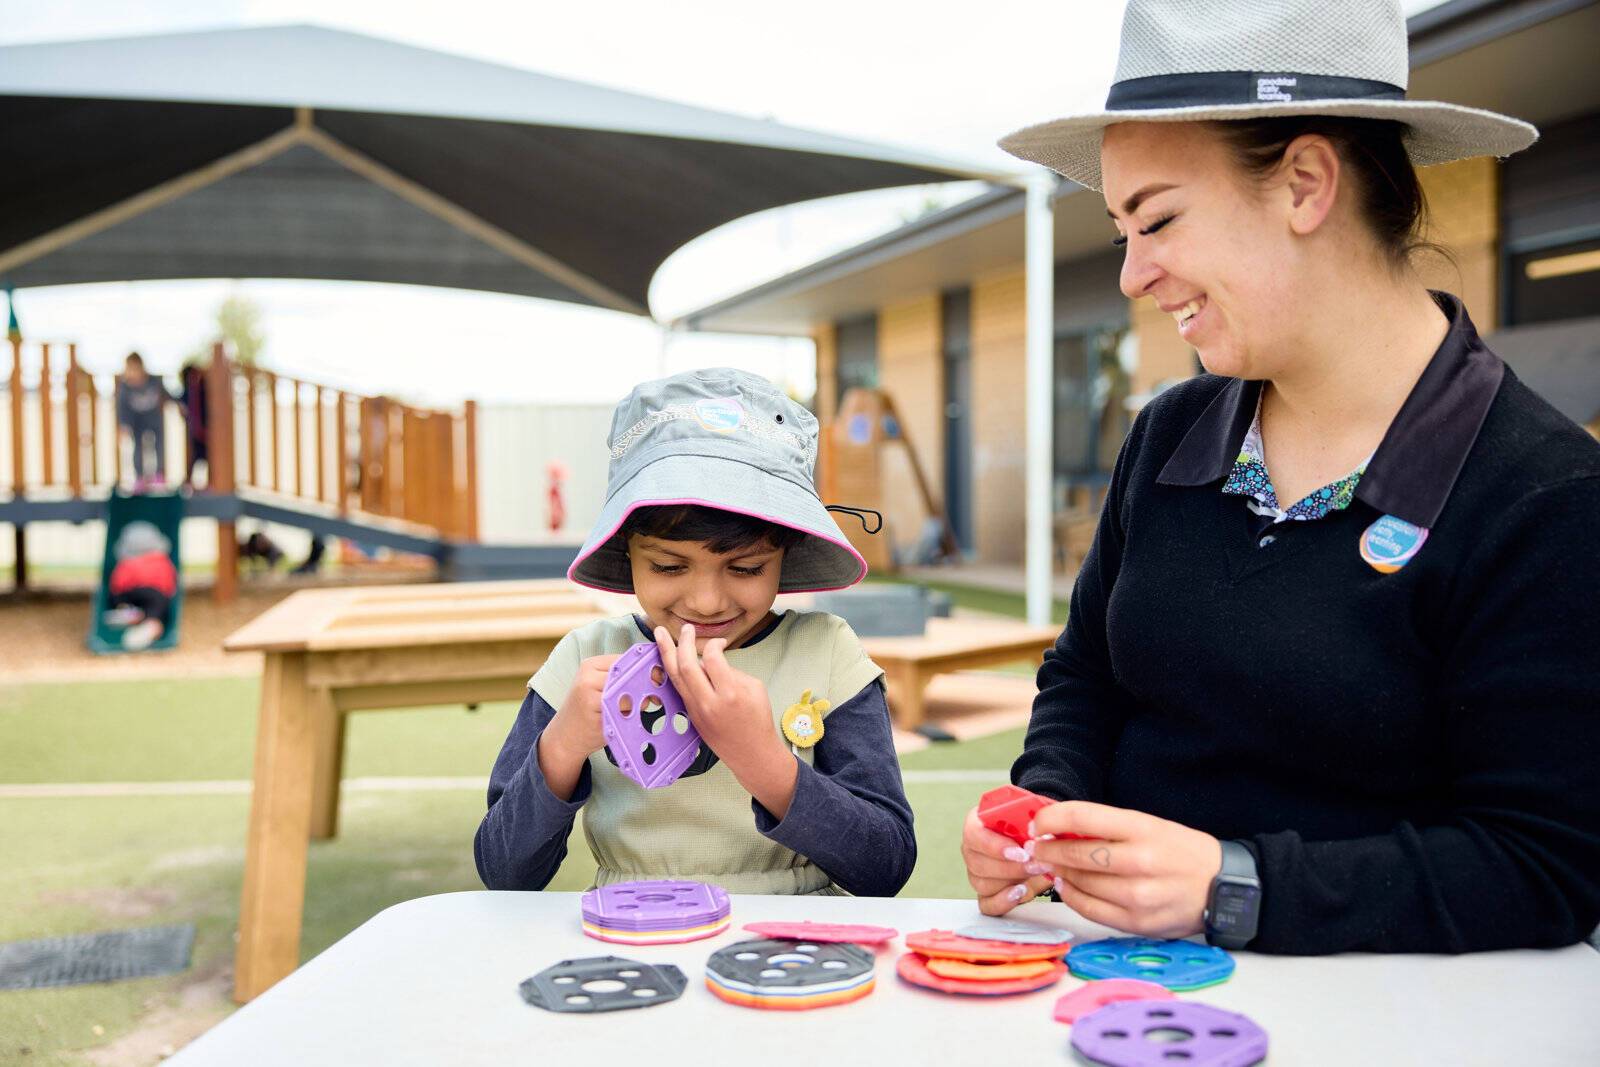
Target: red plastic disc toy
{"x": 826, "y": 932}
{"x": 1095, "y": 995}
{"x": 913, "y": 968}
{"x": 955, "y": 947}
{"x": 1009, "y": 809}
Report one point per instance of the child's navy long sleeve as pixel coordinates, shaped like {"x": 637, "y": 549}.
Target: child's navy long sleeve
{"x": 849, "y": 814}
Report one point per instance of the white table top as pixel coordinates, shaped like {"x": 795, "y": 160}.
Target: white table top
{"x": 435, "y": 981}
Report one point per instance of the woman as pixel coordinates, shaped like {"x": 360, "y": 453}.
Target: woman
{"x": 1328, "y": 682}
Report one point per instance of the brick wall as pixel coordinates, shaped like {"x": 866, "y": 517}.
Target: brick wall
{"x": 999, "y": 416}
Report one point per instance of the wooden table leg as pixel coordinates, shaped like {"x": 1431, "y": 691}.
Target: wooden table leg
{"x": 906, "y": 685}
{"x": 280, "y": 817}
{"x": 328, "y": 726}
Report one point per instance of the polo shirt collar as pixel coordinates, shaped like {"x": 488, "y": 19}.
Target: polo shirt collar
{"x": 1415, "y": 467}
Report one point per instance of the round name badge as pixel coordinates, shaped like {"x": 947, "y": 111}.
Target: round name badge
{"x": 1390, "y": 543}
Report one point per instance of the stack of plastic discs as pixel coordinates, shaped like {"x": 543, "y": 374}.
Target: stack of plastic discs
{"x": 782, "y": 975}
{"x": 951, "y": 963}
{"x": 655, "y": 912}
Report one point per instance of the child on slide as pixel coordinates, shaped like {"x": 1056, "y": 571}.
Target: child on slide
{"x": 142, "y": 586}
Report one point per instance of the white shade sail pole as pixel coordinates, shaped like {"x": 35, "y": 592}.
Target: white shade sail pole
{"x": 1040, "y": 363}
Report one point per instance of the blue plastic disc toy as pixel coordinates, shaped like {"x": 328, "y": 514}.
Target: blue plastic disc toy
{"x": 1178, "y": 965}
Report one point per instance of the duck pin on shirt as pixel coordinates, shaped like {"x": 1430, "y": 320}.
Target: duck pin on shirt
{"x": 802, "y": 722}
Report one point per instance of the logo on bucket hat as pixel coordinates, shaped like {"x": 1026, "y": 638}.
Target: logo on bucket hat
{"x": 721, "y": 414}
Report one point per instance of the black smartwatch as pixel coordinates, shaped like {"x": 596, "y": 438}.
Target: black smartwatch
{"x": 1235, "y": 901}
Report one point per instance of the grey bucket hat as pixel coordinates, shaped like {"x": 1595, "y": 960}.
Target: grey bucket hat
{"x": 140, "y": 538}
{"x": 725, "y": 439}
{"x": 1193, "y": 60}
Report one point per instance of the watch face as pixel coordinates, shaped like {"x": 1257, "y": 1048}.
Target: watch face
{"x": 1233, "y": 908}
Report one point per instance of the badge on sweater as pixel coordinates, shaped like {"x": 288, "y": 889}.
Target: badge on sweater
{"x": 802, "y": 723}
{"x": 1390, "y": 543}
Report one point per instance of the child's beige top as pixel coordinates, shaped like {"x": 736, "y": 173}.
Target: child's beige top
{"x": 703, "y": 828}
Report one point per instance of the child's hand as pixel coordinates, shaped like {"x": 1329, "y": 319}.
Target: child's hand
{"x": 575, "y": 733}
{"x": 733, "y": 714}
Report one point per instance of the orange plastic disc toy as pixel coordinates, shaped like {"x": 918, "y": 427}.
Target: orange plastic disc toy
{"x": 987, "y": 972}
{"x": 955, "y": 947}
{"x": 913, "y": 968}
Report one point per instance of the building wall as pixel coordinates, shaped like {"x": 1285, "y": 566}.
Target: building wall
{"x": 909, "y": 365}
{"x": 1464, "y": 216}
{"x": 999, "y": 431}
{"x": 516, "y": 446}
{"x": 825, "y": 402}
{"x": 1163, "y": 355}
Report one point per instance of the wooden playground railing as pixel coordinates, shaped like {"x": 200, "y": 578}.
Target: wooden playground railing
{"x": 360, "y": 455}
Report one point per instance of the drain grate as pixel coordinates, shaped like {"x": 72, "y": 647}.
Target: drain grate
{"x": 104, "y": 957}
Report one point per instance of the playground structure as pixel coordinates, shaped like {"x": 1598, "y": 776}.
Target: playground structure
{"x": 279, "y": 449}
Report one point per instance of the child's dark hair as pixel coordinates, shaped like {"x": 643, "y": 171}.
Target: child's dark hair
{"x": 719, "y": 531}
{"x": 1389, "y": 196}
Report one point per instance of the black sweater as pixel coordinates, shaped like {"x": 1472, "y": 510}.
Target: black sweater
{"x": 1414, "y": 757}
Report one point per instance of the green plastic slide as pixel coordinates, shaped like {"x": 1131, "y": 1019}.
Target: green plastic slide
{"x": 164, "y": 511}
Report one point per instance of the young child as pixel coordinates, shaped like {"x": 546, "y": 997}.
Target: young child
{"x": 710, "y": 512}
{"x": 142, "y": 586}
{"x": 141, "y": 410}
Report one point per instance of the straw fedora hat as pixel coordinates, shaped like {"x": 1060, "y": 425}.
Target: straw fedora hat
{"x": 1191, "y": 60}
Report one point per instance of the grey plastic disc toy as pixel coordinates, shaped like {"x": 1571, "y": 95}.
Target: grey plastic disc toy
{"x": 603, "y": 983}
{"x": 1018, "y": 933}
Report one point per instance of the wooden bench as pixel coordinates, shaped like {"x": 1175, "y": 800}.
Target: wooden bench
{"x": 951, "y": 645}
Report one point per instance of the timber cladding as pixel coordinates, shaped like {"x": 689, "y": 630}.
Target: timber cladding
{"x": 910, "y": 367}
{"x": 999, "y": 424}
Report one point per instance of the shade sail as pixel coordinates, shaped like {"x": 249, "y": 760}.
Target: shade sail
{"x": 304, "y": 152}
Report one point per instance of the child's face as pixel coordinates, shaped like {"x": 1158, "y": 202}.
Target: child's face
{"x": 134, "y": 373}
{"x": 726, "y": 596}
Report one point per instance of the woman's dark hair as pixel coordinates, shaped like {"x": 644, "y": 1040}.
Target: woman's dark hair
{"x": 719, "y": 531}
{"x": 1374, "y": 155}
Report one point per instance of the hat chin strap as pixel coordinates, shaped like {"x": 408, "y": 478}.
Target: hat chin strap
{"x": 1235, "y": 87}
{"x": 860, "y": 513}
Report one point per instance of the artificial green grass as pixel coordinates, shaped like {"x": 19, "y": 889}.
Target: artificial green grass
{"x": 203, "y": 729}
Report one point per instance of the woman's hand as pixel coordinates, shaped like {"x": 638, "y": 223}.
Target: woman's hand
{"x": 1139, "y": 874}
{"x": 575, "y": 732}
{"x": 733, "y": 714}
{"x": 1000, "y": 871}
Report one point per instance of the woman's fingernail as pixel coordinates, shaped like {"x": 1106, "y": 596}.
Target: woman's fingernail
{"x": 1018, "y": 891}
{"x": 1031, "y": 831}
{"x": 1027, "y": 848}
{"x": 1045, "y": 837}
{"x": 1061, "y": 887}
{"x": 1036, "y": 868}
{"x": 1016, "y": 855}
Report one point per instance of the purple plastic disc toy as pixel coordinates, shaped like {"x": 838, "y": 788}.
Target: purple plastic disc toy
{"x": 644, "y": 721}
{"x": 655, "y": 905}
{"x": 1157, "y": 1033}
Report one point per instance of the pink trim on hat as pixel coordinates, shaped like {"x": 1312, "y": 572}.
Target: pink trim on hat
{"x": 690, "y": 501}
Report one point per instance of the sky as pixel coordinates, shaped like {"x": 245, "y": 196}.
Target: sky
{"x": 942, "y": 77}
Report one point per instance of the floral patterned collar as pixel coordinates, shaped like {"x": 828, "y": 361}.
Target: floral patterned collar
{"x": 1249, "y": 479}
